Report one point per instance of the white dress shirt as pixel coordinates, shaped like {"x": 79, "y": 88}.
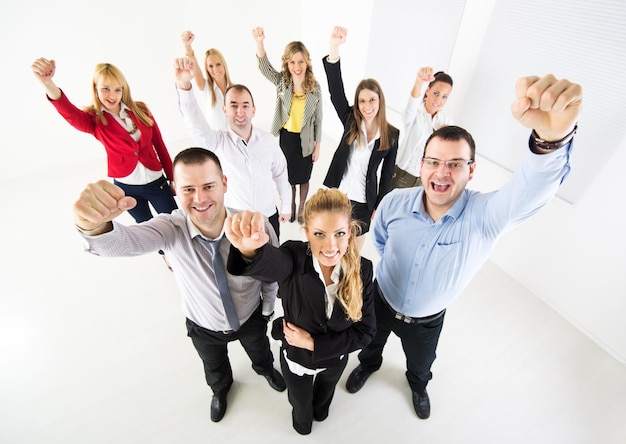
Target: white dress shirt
{"x": 418, "y": 126}
{"x": 252, "y": 168}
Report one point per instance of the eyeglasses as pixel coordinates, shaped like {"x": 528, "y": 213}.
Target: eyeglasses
{"x": 453, "y": 165}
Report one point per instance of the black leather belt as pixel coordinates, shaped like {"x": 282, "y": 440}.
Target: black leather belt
{"x": 407, "y": 319}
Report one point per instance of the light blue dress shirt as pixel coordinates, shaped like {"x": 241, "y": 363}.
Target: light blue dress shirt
{"x": 425, "y": 265}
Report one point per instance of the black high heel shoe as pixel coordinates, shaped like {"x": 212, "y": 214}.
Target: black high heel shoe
{"x": 293, "y": 212}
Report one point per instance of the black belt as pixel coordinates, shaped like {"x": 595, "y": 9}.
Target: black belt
{"x": 407, "y": 319}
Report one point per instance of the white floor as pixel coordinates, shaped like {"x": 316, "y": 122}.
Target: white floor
{"x": 94, "y": 350}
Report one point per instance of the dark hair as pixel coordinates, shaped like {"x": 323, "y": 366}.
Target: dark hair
{"x": 196, "y": 156}
{"x": 238, "y": 87}
{"x": 441, "y": 76}
{"x": 453, "y": 133}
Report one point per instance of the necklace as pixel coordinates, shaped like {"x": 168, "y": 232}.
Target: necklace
{"x": 130, "y": 122}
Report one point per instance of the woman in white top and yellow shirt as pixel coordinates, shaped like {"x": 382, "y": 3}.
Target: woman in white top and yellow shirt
{"x": 298, "y": 115}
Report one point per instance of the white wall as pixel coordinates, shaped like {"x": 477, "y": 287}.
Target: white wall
{"x": 571, "y": 256}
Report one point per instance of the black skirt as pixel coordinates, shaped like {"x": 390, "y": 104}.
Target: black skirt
{"x": 298, "y": 168}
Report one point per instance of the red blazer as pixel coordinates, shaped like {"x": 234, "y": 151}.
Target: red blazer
{"x": 123, "y": 152}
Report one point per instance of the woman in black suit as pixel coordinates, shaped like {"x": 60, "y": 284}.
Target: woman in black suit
{"x": 327, "y": 296}
{"x": 368, "y": 139}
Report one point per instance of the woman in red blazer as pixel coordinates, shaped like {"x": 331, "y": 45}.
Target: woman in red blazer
{"x": 326, "y": 292}
{"x": 137, "y": 157}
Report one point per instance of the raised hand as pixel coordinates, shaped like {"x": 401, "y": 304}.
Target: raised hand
{"x": 548, "y": 105}
{"x": 184, "y": 70}
{"x": 246, "y": 232}
{"x": 99, "y": 203}
{"x": 187, "y": 37}
{"x": 43, "y": 68}
{"x": 425, "y": 74}
{"x": 337, "y": 37}
{"x": 258, "y": 34}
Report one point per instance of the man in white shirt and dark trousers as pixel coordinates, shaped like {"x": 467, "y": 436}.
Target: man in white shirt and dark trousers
{"x": 219, "y": 307}
{"x": 251, "y": 158}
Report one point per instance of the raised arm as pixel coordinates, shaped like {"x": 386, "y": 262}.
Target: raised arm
{"x": 246, "y": 232}
{"x": 187, "y": 37}
{"x": 424, "y": 75}
{"x": 258, "y": 34}
{"x": 337, "y": 38}
{"x": 548, "y": 105}
{"x": 44, "y": 70}
{"x": 98, "y": 204}
{"x": 198, "y": 127}
{"x": 332, "y": 67}
{"x": 266, "y": 68}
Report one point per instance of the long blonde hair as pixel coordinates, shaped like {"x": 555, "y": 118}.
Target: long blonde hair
{"x": 291, "y": 49}
{"x": 350, "y": 288}
{"x": 220, "y": 57}
{"x": 111, "y": 73}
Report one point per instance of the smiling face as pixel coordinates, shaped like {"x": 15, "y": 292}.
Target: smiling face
{"x": 239, "y": 110}
{"x": 436, "y": 96}
{"x": 110, "y": 94}
{"x": 200, "y": 189}
{"x": 443, "y": 186}
{"x": 369, "y": 103}
{"x": 215, "y": 68}
{"x": 328, "y": 234}
{"x": 297, "y": 66}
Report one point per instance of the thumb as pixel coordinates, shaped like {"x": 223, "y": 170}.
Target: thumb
{"x": 127, "y": 203}
{"x": 519, "y": 108}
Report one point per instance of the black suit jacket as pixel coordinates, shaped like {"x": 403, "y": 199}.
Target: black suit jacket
{"x": 303, "y": 297}
{"x": 374, "y": 190}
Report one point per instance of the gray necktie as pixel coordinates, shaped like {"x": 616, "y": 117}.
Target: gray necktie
{"x": 222, "y": 285}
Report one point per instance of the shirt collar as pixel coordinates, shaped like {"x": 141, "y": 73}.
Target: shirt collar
{"x": 334, "y": 276}
{"x": 123, "y": 110}
{"x": 194, "y": 231}
{"x": 236, "y": 138}
{"x": 454, "y": 211}
{"x": 364, "y": 132}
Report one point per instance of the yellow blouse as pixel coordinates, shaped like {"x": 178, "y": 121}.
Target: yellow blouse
{"x": 296, "y": 114}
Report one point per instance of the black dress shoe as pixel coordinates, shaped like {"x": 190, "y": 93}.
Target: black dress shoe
{"x": 357, "y": 379}
{"x": 421, "y": 404}
{"x": 320, "y": 416}
{"x": 218, "y": 408}
{"x": 275, "y": 380}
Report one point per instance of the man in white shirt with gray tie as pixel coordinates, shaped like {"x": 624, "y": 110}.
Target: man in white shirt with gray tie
{"x": 190, "y": 236}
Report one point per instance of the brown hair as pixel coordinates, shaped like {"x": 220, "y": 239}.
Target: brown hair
{"x": 381, "y": 118}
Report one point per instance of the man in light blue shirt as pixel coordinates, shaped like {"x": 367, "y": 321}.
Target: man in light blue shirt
{"x": 433, "y": 239}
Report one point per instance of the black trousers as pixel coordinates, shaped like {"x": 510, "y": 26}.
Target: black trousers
{"x": 310, "y": 396}
{"x": 212, "y": 346}
{"x": 419, "y": 342}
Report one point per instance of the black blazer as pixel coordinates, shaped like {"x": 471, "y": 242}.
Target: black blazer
{"x": 374, "y": 191}
{"x": 303, "y": 297}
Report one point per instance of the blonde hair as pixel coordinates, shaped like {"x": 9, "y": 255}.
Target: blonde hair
{"x": 218, "y": 55}
{"x": 107, "y": 72}
{"x": 350, "y": 288}
{"x": 381, "y": 118}
{"x": 291, "y": 49}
